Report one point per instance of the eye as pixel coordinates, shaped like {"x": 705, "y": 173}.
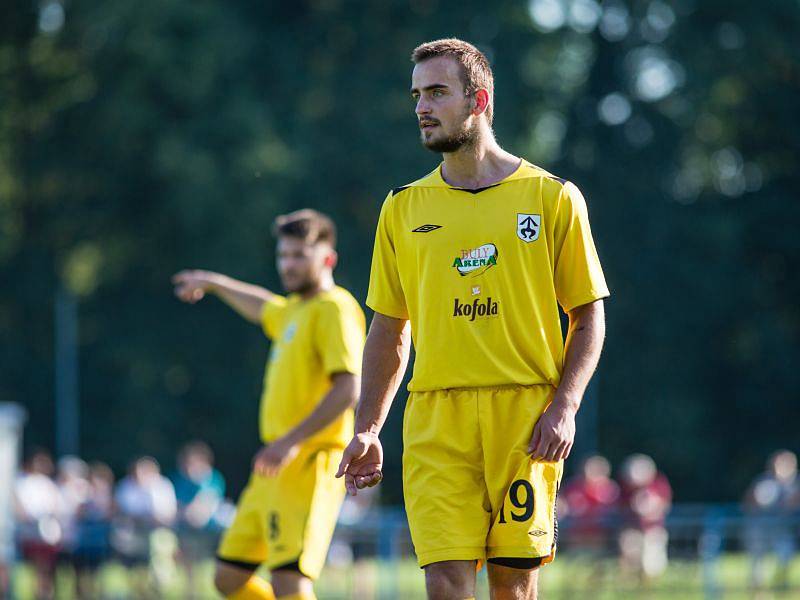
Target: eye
{"x": 437, "y": 93}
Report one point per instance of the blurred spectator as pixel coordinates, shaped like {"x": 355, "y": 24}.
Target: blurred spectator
{"x": 38, "y": 506}
{"x": 645, "y": 500}
{"x": 146, "y": 505}
{"x": 200, "y": 492}
{"x": 588, "y": 502}
{"x": 72, "y": 478}
{"x": 770, "y": 501}
{"x": 146, "y": 496}
{"x": 199, "y": 487}
{"x": 94, "y": 526}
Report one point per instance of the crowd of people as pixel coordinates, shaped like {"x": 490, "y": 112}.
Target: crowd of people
{"x": 71, "y": 512}
{"x": 624, "y": 516}
{"x": 74, "y": 513}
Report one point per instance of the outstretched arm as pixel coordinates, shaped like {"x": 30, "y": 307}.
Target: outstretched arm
{"x": 385, "y": 360}
{"x": 554, "y": 433}
{"x": 342, "y": 395}
{"x": 245, "y": 298}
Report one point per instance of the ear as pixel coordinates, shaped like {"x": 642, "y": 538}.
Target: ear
{"x": 331, "y": 259}
{"x": 481, "y": 102}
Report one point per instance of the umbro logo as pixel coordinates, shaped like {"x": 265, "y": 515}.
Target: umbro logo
{"x": 537, "y": 533}
{"x": 426, "y": 228}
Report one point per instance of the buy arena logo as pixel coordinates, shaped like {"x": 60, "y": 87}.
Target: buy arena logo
{"x": 476, "y": 260}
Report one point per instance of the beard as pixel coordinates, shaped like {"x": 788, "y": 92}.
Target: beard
{"x": 451, "y": 143}
{"x": 301, "y": 287}
{"x": 465, "y": 136}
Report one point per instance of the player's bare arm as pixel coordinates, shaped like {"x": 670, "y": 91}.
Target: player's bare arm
{"x": 554, "y": 433}
{"x": 342, "y": 395}
{"x": 245, "y": 298}
{"x": 385, "y": 359}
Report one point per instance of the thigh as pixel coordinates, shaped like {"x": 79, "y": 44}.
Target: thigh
{"x": 443, "y": 486}
{"x": 244, "y": 543}
{"x": 287, "y": 519}
{"x": 522, "y": 491}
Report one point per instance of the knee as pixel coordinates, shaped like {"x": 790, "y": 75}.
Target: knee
{"x": 289, "y": 583}
{"x": 450, "y": 580}
{"x": 228, "y": 579}
{"x": 507, "y": 582}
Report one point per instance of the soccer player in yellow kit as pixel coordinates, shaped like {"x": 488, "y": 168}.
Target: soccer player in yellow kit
{"x": 477, "y": 256}
{"x": 286, "y": 515}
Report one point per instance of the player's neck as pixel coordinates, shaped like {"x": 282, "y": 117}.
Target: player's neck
{"x": 480, "y": 164}
{"x": 324, "y": 284}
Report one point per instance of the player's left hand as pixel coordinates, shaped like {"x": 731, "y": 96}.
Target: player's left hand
{"x": 272, "y": 458}
{"x": 553, "y": 434}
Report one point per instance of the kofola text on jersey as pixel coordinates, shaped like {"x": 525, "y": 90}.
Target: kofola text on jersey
{"x": 478, "y": 308}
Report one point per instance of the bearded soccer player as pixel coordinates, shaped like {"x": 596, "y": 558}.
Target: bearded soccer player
{"x": 478, "y": 256}
{"x": 286, "y": 515}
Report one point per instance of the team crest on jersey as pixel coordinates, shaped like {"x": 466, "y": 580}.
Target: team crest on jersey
{"x": 475, "y": 261}
{"x": 528, "y": 227}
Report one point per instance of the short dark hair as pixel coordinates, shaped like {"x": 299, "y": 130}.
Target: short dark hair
{"x": 475, "y": 70}
{"x": 196, "y": 447}
{"x": 307, "y": 224}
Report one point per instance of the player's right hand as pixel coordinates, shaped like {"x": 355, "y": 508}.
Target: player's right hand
{"x": 192, "y": 285}
{"x": 361, "y": 463}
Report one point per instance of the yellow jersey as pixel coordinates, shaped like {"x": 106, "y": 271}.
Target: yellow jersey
{"x": 311, "y": 340}
{"x": 481, "y": 273}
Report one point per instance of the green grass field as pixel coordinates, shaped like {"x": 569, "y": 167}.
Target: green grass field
{"x": 567, "y": 578}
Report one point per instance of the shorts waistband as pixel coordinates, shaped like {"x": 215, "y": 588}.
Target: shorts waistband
{"x": 487, "y": 388}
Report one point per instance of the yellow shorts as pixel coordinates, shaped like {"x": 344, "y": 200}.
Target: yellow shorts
{"x": 471, "y": 490}
{"x": 289, "y": 518}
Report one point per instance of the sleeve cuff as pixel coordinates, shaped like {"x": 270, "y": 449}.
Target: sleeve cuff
{"x": 587, "y": 298}
{"x": 342, "y": 368}
{"x": 390, "y": 311}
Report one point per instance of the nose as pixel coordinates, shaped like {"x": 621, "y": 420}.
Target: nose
{"x": 422, "y": 107}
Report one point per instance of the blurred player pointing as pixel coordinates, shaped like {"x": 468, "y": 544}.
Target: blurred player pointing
{"x": 286, "y": 515}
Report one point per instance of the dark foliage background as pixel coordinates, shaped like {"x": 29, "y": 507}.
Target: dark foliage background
{"x": 140, "y": 138}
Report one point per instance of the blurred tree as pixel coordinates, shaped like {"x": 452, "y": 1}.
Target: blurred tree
{"x": 139, "y": 139}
